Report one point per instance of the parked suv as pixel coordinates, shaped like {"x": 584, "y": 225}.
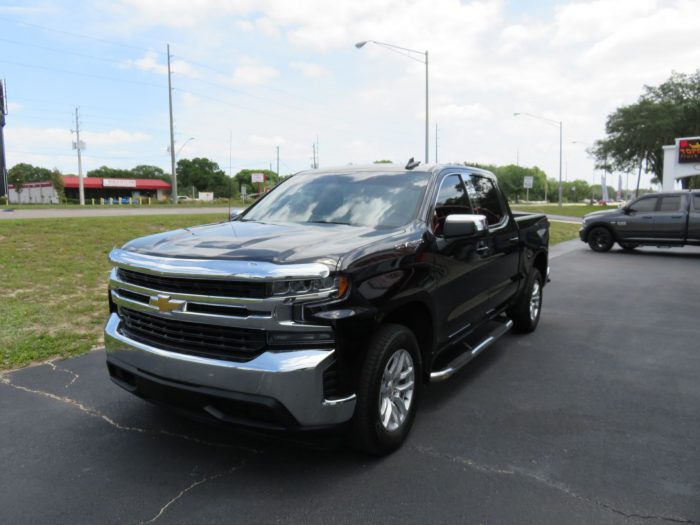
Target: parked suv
{"x": 329, "y": 302}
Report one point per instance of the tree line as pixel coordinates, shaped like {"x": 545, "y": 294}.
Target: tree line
{"x": 195, "y": 175}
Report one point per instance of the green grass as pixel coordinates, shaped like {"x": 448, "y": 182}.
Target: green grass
{"x": 219, "y": 203}
{"x": 571, "y": 211}
{"x": 53, "y": 296}
{"x": 562, "y": 231}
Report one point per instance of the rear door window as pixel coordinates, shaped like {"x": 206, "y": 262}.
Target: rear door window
{"x": 485, "y": 199}
{"x": 670, "y": 203}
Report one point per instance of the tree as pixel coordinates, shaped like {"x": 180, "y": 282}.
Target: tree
{"x": 58, "y": 184}
{"x": 203, "y": 174}
{"x": 21, "y": 174}
{"x": 110, "y": 173}
{"x": 637, "y": 133}
{"x": 145, "y": 171}
{"x": 511, "y": 179}
{"x": 243, "y": 178}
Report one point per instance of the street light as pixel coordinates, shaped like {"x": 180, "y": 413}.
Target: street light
{"x": 561, "y": 126}
{"x": 177, "y": 154}
{"x": 405, "y": 52}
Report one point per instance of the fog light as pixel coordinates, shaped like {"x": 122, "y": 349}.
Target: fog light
{"x": 296, "y": 338}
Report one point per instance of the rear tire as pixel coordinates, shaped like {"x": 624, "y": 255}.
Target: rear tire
{"x": 600, "y": 239}
{"x": 388, "y": 391}
{"x": 525, "y": 314}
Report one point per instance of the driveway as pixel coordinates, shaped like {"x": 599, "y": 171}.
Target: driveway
{"x": 594, "y": 418}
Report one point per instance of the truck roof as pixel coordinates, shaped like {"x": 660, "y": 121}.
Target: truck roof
{"x": 393, "y": 168}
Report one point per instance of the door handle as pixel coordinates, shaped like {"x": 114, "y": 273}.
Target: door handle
{"x": 676, "y": 216}
{"x": 647, "y": 216}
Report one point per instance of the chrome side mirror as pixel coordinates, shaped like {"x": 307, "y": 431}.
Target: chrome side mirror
{"x": 458, "y": 225}
{"x": 235, "y": 213}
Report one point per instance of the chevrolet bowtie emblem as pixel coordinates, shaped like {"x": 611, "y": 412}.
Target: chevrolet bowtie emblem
{"x": 165, "y": 304}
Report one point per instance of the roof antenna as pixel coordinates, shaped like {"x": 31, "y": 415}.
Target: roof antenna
{"x": 412, "y": 164}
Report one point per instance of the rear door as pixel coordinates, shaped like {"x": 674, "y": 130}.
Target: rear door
{"x": 694, "y": 219}
{"x": 671, "y": 218}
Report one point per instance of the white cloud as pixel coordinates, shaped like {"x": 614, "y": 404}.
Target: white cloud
{"x": 150, "y": 62}
{"x": 309, "y": 69}
{"x": 252, "y": 72}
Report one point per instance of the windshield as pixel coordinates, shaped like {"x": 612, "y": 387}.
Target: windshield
{"x": 374, "y": 199}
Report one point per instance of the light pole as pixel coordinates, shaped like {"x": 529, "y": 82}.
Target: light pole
{"x": 177, "y": 154}
{"x": 405, "y": 52}
{"x": 561, "y": 135}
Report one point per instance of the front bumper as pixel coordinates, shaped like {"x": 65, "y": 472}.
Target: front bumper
{"x": 278, "y": 389}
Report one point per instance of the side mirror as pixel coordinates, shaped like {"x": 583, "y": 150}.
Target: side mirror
{"x": 459, "y": 225}
{"x": 235, "y": 213}
{"x": 628, "y": 210}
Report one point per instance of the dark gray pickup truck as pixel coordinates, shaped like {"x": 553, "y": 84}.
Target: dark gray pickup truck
{"x": 659, "y": 219}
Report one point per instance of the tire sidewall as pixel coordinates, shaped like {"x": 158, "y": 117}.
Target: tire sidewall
{"x": 386, "y": 342}
{"x": 594, "y": 246}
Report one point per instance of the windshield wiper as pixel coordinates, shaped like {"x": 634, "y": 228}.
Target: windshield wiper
{"x": 329, "y": 222}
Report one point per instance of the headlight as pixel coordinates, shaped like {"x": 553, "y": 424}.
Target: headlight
{"x": 331, "y": 283}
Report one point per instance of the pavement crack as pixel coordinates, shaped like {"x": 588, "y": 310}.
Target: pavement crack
{"x": 52, "y": 365}
{"x": 186, "y": 490}
{"x": 5, "y": 379}
{"x": 430, "y": 451}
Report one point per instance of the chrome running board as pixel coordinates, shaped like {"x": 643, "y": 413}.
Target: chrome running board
{"x": 471, "y": 352}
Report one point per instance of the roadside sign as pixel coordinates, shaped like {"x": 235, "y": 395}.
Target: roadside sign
{"x": 257, "y": 177}
{"x": 527, "y": 182}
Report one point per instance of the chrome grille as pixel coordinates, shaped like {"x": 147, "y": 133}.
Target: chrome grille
{"x": 211, "y": 287}
{"x": 204, "y": 340}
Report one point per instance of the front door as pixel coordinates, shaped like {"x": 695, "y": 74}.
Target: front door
{"x": 461, "y": 265}
{"x": 638, "y": 223}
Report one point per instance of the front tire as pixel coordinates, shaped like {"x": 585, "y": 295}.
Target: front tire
{"x": 525, "y": 314}
{"x": 600, "y": 239}
{"x": 388, "y": 390}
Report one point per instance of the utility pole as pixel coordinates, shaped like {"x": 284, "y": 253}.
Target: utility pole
{"x": 427, "y": 141}
{"x": 278, "y": 162}
{"x": 436, "y": 144}
{"x": 4, "y": 189}
{"x": 172, "y": 134}
{"x": 78, "y": 146}
{"x": 313, "y": 150}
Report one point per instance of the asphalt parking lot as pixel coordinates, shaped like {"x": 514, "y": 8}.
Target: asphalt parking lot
{"x": 594, "y": 418}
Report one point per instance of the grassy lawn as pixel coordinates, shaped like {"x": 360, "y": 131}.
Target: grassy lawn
{"x": 53, "y": 297}
{"x": 571, "y": 211}
{"x": 219, "y": 203}
{"x": 561, "y": 231}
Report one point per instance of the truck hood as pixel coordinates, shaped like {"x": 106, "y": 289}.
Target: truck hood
{"x": 602, "y": 213}
{"x": 263, "y": 242}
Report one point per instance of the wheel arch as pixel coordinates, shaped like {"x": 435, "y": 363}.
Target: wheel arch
{"x": 418, "y": 318}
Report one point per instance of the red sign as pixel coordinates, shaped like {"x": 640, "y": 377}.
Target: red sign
{"x": 688, "y": 151}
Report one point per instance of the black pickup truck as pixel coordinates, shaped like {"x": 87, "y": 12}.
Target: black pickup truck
{"x": 660, "y": 219}
{"x": 329, "y": 302}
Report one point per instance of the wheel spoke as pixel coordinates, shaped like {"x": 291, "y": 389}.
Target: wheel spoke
{"x": 396, "y": 390}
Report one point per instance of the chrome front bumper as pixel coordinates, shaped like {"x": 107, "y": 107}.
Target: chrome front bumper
{"x": 293, "y": 378}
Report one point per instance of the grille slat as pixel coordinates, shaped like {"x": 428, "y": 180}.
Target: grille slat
{"x": 221, "y": 342}
{"x": 213, "y": 287}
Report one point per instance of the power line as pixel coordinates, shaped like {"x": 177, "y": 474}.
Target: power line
{"x": 62, "y": 51}
{"x": 102, "y": 77}
{"x": 77, "y": 35}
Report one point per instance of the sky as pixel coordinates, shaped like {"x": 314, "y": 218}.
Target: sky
{"x": 253, "y": 75}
